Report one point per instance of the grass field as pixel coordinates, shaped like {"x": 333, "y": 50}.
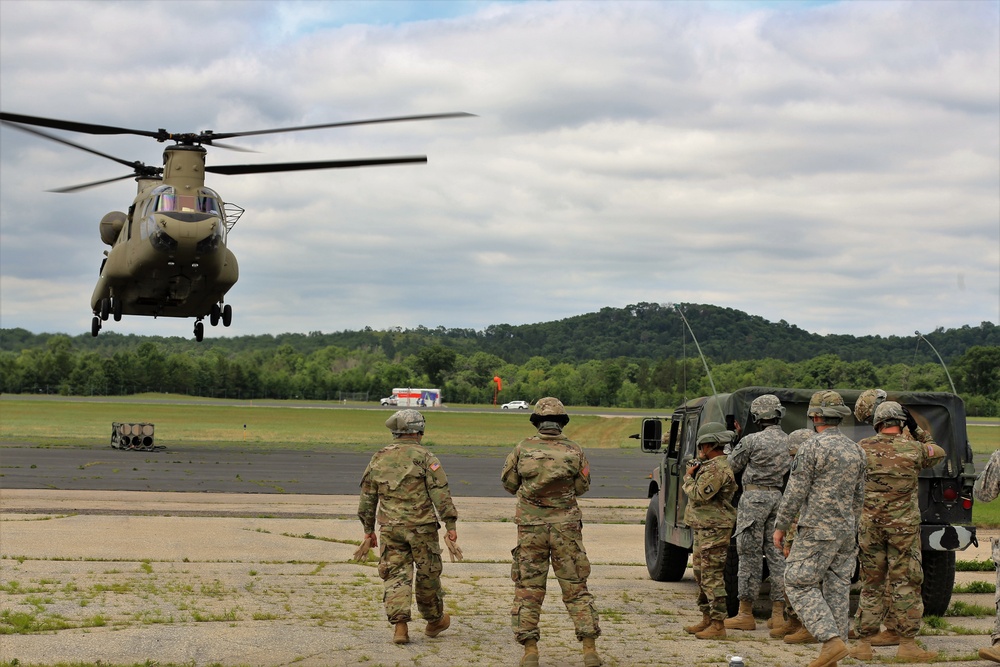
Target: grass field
{"x": 221, "y": 424}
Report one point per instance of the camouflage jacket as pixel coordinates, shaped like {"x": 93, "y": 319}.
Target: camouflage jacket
{"x": 710, "y": 492}
{"x": 546, "y": 472}
{"x": 406, "y": 483}
{"x": 763, "y": 457}
{"x": 893, "y": 464}
{"x": 987, "y": 485}
{"x": 826, "y": 488}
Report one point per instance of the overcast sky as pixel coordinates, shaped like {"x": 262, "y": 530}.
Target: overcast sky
{"x": 832, "y": 164}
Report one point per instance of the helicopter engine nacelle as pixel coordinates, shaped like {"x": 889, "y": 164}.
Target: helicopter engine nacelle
{"x": 111, "y": 226}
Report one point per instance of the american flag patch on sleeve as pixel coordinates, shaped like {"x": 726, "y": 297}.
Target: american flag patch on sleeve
{"x": 435, "y": 465}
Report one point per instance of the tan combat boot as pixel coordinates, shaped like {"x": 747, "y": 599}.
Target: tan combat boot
{"x": 832, "y": 651}
{"x": 743, "y": 620}
{"x": 434, "y": 628}
{"x": 777, "y": 615}
{"x": 698, "y": 627}
{"x": 530, "y": 658}
{"x": 909, "y": 651}
{"x": 590, "y": 657}
{"x": 862, "y": 650}
{"x": 402, "y": 634}
{"x": 991, "y": 653}
{"x": 886, "y": 638}
{"x": 716, "y": 630}
{"x": 800, "y": 636}
{"x": 793, "y": 626}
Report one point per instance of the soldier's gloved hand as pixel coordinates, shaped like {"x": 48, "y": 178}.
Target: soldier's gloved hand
{"x": 455, "y": 551}
{"x": 362, "y": 552}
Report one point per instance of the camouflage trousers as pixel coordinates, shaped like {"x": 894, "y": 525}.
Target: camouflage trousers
{"x": 996, "y": 562}
{"x": 818, "y": 582}
{"x": 711, "y": 546}
{"x": 562, "y": 545}
{"x": 405, "y": 548}
{"x": 754, "y": 526}
{"x": 891, "y": 580}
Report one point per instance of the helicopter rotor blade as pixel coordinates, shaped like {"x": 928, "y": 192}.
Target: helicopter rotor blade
{"x": 84, "y": 186}
{"x": 74, "y": 126}
{"x": 67, "y": 142}
{"x": 234, "y": 169}
{"x": 372, "y": 121}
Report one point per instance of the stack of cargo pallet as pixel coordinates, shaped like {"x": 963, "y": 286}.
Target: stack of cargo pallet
{"x": 132, "y": 436}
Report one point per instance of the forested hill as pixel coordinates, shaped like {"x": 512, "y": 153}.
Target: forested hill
{"x": 640, "y": 331}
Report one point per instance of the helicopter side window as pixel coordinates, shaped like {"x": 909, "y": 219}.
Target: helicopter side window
{"x": 208, "y": 204}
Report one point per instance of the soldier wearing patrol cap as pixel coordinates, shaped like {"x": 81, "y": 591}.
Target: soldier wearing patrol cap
{"x": 547, "y": 472}
{"x": 407, "y": 485}
{"x": 889, "y": 538}
{"x": 826, "y": 491}
{"x": 709, "y": 484}
{"x": 764, "y": 460}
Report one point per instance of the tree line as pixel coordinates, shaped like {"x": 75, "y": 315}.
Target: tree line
{"x": 462, "y": 363}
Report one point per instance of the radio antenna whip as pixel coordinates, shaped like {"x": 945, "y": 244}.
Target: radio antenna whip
{"x": 920, "y": 337}
{"x": 703, "y": 361}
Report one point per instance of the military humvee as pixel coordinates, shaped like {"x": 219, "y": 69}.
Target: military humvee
{"x": 945, "y": 490}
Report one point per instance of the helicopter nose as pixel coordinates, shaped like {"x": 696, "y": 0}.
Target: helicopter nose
{"x": 194, "y": 232}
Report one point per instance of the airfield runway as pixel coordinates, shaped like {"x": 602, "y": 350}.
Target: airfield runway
{"x": 197, "y": 558}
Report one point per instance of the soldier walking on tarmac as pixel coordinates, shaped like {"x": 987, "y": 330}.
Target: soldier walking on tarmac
{"x": 547, "y": 472}
{"x": 764, "y": 460}
{"x": 407, "y": 485}
{"x": 986, "y": 489}
{"x": 710, "y": 486}
{"x": 826, "y": 490}
{"x": 889, "y": 538}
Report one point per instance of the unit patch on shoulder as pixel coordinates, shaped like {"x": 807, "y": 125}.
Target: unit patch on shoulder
{"x": 709, "y": 490}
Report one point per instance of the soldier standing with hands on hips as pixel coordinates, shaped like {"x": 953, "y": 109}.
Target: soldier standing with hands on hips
{"x": 547, "y": 472}
{"x": 826, "y": 491}
{"x": 407, "y": 485}
{"x": 710, "y": 485}
{"x": 986, "y": 489}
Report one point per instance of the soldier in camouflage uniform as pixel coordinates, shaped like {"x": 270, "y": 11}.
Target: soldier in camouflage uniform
{"x": 547, "y": 472}
{"x": 408, "y": 487}
{"x": 889, "y": 537}
{"x": 710, "y": 486}
{"x": 826, "y": 490}
{"x": 793, "y": 632}
{"x": 986, "y": 489}
{"x": 764, "y": 460}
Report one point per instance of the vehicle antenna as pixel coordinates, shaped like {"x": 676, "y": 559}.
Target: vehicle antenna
{"x": 703, "y": 361}
{"x": 920, "y": 337}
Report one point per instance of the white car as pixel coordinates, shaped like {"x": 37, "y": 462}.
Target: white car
{"x": 389, "y": 400}
{"x": 515, "y": 405}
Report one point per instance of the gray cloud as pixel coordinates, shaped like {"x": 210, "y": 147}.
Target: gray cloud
{"x": 835, "y": 166}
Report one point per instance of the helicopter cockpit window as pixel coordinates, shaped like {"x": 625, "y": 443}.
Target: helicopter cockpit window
{"x": 206, "y": 201}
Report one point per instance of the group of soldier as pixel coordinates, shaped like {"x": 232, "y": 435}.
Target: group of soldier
{"x": 811, "y": 500}
{"x": 848, "y": 502}
{"x": 404, "y": 484}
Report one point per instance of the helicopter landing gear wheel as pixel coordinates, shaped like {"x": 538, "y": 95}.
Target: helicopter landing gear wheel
{"x": 116, "y": 309}
{"x": 215, "y": 314}
{"x": 227, "y": 315}
{"x": 95, "y": 326}
{"x": 199, "y": 330}
{"x": 105, "y": 309}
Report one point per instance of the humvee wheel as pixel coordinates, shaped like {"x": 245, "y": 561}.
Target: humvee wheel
{"x": 939, "y": 580}
{"x": 664, "y": 561}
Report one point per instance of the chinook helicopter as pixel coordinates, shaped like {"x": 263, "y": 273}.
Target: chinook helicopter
{"x": 168, "y": 254}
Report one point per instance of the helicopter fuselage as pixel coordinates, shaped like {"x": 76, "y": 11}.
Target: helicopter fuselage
{"x": 168, "y": 256}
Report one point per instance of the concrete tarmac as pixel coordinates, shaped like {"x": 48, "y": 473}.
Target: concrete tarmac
{"x": 125, "y": 577}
